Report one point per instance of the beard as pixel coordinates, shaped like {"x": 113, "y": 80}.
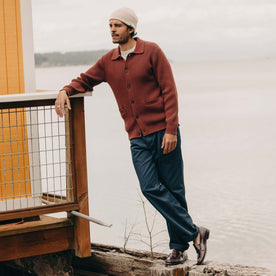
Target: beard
{"x": 120, "y": 40}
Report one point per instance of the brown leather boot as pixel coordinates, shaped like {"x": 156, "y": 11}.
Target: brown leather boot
{"x": 201, "y": 248}
{"x": 176, "y": 257}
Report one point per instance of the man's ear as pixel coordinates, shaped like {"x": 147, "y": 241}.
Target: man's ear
{"x": 131, "y": 30}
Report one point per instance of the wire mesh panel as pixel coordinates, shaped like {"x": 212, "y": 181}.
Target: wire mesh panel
{"x": 35, "y": 164}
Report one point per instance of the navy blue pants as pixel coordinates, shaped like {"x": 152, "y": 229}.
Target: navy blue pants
{"x": 162, "y": 183}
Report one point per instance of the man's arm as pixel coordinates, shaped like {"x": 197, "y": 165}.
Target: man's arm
{"x": 164, "y": 77}
{"x": 85, "y": 82}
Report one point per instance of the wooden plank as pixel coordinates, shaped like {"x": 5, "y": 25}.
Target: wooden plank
{"x": 44, "y": 223}
{"x": 36, "y": 211}
{"x": 32, "y": 99}
{"x": 80, "y": 183}
{"x": 43, "y": 242}
{"x": 54, "y": 198}
{"x": 7, "y": 105}
{"x": 45, "y": 95}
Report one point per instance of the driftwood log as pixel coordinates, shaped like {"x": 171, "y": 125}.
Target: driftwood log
{"x": 109, "y": 260}
{"x": 114, "y": 261}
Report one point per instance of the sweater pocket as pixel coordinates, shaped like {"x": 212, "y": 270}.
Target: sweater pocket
{"x": 155, "y": 103}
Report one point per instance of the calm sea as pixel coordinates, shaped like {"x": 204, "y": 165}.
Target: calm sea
{"x": 227, "y": 117}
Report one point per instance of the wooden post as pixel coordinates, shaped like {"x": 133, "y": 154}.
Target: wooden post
{"x": 68, "y": 135}
{"x": 79, "y": 171}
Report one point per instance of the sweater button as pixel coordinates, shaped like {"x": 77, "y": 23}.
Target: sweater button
{"x": 137, "y": 116}
{"x": 132, "y": 102}
{"x": 126, "y": 70}
{"x": 128, "y": 86}
{"x": 138, "y": 133}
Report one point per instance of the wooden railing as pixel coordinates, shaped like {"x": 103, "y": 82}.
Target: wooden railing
{"x": 43, "y": 160}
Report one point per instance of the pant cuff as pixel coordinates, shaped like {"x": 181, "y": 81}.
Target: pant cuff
{"x": 181, "y": 247}
{"x": 192, "y": 238}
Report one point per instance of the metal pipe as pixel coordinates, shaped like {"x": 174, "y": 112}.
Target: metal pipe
{"x": 78, "y": 214}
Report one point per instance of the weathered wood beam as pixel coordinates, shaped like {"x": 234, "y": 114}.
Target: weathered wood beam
{"x": 54, "y": 198}
{"x": 36, "y": 211}
{"x": 79, "y": 172}
{"x": 44, "y": 223}
{"x": 109, "y": 260}
{"x": 113, "y": 261}
{"x": 38, "y": 243}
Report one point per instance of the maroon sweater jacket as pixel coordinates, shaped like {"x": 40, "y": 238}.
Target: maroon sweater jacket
{"x": 143, "y": 86}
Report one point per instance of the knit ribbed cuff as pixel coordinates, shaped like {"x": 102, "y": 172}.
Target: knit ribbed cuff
{"x": 171, "y": 129}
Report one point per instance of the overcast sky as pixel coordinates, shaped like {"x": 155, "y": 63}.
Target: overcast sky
{"x": 184, "y": 29}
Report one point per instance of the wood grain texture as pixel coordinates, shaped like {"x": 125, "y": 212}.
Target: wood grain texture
{"x": 113, "y": 261}
{"x": 30, "y": 244}
{"x": 31, "y": 212}
{"x": 45, "y": 222}
{"x": 80, "y": 183}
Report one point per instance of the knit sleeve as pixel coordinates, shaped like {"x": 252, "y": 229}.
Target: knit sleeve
{"x": 86, "y": 81}
{"x": 165, "y": 79}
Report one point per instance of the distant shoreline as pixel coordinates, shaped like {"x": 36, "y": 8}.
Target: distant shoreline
{"x": 60, "y": 59}
{"x": 56, "y": 59}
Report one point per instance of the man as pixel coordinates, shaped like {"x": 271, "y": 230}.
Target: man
{"x": 142, "y": 82}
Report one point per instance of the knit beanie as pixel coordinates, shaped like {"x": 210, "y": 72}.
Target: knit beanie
{"x": 125, "y": 15}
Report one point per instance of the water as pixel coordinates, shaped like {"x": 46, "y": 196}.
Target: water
{"x": 227, "y": 116}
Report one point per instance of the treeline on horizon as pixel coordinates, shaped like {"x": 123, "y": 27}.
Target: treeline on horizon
{"x": 54, "y": 59}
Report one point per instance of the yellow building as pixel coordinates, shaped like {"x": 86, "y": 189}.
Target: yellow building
{"x": 16, "y": 76}
{"x": 29, "y": 187}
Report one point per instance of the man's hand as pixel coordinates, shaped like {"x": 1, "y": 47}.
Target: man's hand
{"x": 169, "y": 143}
{"x": 61, "y": 100}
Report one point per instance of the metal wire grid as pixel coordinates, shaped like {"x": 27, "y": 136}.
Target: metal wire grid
{"x": 35, "y": 164}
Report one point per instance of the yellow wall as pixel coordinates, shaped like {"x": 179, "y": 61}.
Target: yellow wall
{"x": 11, "y": 56}
{"x": 12, "y": 82}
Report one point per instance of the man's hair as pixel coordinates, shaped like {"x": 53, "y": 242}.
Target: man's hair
{"x": 133, "y": 33}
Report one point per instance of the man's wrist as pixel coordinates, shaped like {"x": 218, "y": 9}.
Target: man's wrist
{"x": 171, "y": 130}
{"x": 63, "y": 91}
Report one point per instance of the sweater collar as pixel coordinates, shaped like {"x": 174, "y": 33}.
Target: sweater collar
{"x": 139, "y": 49}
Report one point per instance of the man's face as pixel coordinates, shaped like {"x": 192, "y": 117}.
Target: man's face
{"x": 119, "y": 31}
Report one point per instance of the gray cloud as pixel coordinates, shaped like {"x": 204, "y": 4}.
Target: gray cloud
{"x": 185, "y": 29}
